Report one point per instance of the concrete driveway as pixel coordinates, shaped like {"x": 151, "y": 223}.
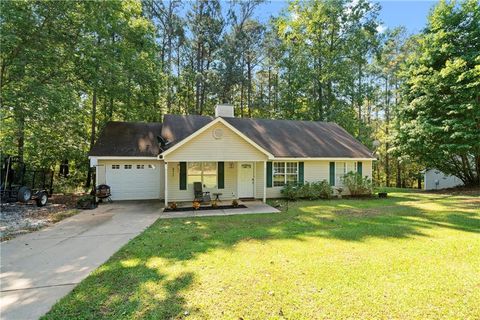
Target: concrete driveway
{"x": 39, "y": 268}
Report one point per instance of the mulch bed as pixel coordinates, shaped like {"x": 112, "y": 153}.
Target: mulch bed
{"x": 181, "y": 209}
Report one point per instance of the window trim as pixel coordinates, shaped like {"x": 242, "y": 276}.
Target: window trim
{"x": 285, "y": 174}
{"x": 202, "y": 173}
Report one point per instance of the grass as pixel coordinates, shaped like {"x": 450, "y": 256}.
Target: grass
{"x": 59, "y": 216}
{"x": 411, "y": 256}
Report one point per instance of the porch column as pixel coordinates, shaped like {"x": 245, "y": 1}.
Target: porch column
{"x": 166, "y": 184}
{"x": 264, "y": 181}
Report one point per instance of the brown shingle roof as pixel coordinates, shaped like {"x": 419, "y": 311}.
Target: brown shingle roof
{"x": 301, "y": 139}
{"x": 131, "y": 139}
{"x": 282, "y": 138}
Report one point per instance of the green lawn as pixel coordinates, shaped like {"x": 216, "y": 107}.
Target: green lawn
{"x": 411, "y": 256}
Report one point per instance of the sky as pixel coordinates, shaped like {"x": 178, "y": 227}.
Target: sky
{"x": 411, "y": 14}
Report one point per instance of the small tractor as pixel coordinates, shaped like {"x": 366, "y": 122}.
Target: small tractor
{"x": 21, "y": 184}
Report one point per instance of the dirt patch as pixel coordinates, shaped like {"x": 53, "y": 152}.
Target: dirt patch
{"x": 19, "y": 218}
{"x": 364, "y": 212}
{"x": 458, "y": 191}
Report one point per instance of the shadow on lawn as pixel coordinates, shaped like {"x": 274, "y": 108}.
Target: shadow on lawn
{"x": 116, "y": 291}
{"x": 349, "y": 220}
{"x": 128, "y": 286}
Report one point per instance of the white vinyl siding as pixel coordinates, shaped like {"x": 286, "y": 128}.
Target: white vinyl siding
{"x": 318, "y": 170}
{"x": 340, "y": 171}
{"x": 259, "y": 180}
{"x": 205, "y": 147}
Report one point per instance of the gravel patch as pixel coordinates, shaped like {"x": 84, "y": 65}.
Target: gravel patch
{"x": 19, "y": 218}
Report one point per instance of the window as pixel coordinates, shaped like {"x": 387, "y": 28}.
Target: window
{"x": 204, "y": 172}
{"x": 151, "y": 166}
{"x": 340, "y": 171}
{"x": 284, "y": 172}
{"x": 115, "y": 166}
{"x": 127, "y": 166}
{"x": 140, "y": 166}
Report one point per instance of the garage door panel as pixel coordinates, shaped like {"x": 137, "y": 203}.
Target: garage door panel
{"x": 134, "y": 184}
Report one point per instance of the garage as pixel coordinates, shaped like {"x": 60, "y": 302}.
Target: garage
{"x": 132, "y": 180}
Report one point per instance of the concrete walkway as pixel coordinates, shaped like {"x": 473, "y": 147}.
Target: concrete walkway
{"x": 39, "y": 268}
{"x": 252, "y": 207}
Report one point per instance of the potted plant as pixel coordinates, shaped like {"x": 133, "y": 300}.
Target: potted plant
{"x": 382, "y": 194}
{"x": 235, "y": 203}
{"x": 173, "y": 205}
{"x": 196, "y": 205}
{"x": 340, "y": 190}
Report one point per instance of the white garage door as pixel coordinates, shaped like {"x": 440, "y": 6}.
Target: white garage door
{"x": 134, "y": 180}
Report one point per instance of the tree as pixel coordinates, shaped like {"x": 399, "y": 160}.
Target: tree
{"x": 439, "y": 118}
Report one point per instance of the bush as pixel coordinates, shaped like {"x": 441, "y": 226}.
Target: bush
{"x": 323, "y": 189}
{"x": 357, "y": 185}
{"x": 291, "y": 191}
{"x": 308, "y": 190}
{"x": 86, "y": 202}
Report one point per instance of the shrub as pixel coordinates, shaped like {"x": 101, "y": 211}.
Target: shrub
{"x": 234, "y": 203}
{"x": 291, "y": 191}
{"x": 356, "y": 184}
{"x": 86, "y": 202}
{"x": 323, "y": 189}
{"x": 308, "y": 190}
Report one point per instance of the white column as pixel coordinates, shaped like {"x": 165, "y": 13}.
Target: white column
{"x": 264, "y": 181}
{"x": 166, "y": 184}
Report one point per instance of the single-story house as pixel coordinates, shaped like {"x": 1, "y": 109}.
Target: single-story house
{"x": 237, "y": 157}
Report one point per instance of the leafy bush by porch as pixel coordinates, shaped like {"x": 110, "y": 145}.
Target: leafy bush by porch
{"x": 357, "y": 185}
{"x": 307, "y": 190}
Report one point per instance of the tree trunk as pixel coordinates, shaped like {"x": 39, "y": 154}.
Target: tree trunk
{"x": 20, "y": 134}
{"x": 249, "y": 87}
{"x": 387, "y": 133}
{"x": 359, "y": 99}
{"x": 269, "y": 87}
{"x": 92, "y": 134}
{"x": 399, "y": 175}
{"x": 241, "y": 99}
{"x": 197, "y": 79}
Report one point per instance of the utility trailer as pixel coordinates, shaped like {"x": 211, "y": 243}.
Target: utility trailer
{"x": 21, "y": 184}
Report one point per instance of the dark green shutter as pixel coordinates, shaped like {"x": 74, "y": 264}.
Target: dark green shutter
{"x": 332, "y": 173}
{"x": 359, "y": 168}
{"x": 183, "y": 176}
{"x": 221, "y": 175}
{"x": 300, "y": 173}
{"x": 269, "y": 174}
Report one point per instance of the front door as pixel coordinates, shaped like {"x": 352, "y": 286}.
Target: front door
{"x": 246, "y": 181}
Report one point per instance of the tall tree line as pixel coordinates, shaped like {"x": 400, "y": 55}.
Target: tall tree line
{"x": 68, "y": 68}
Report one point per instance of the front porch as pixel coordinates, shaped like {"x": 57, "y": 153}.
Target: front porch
{"x": 227, "y": 179}
{"x": 252, "y": 207}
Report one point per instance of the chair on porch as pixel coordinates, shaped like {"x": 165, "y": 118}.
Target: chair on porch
{"x": 201, "y": 196}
